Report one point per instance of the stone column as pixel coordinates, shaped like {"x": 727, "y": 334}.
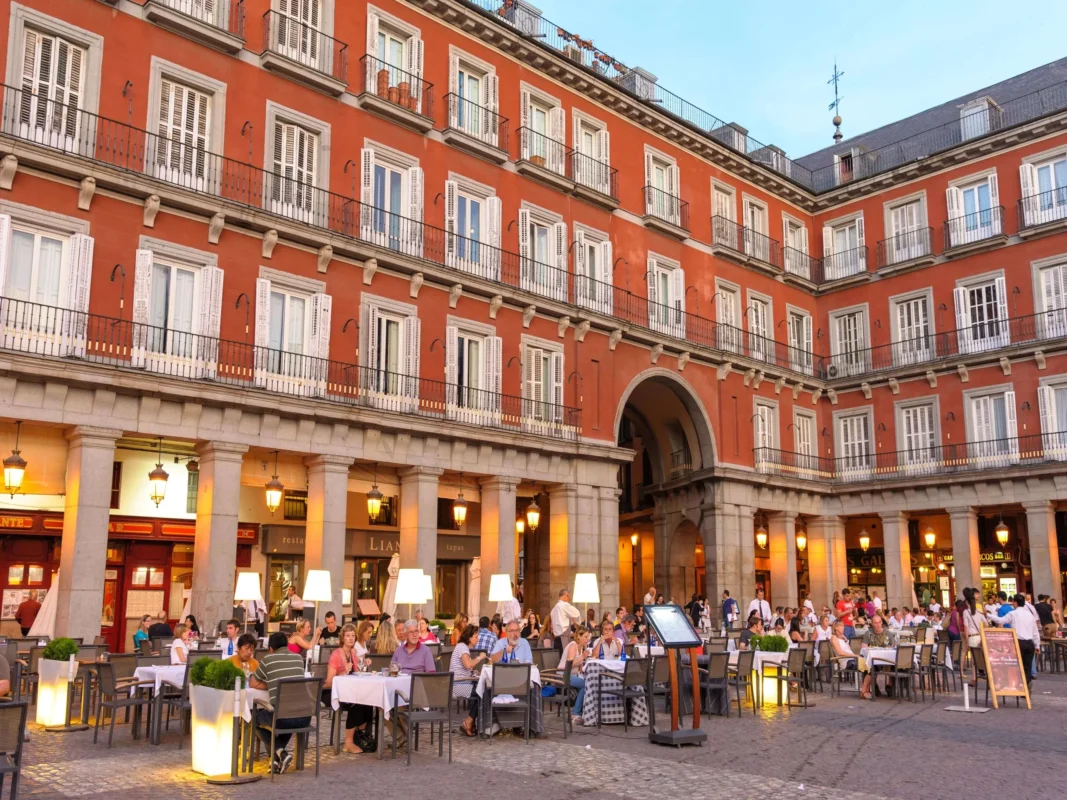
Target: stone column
{"x": 781, "y": 535}
{"x": 215, "y": 547}
{"x": 899, "y": 581}
{"x": 562, "y": 538}
{"x": 499, "y": 556}
{"x": 418, "y": 525}
{"x": 827, "y": 561}
{"x": 607, "y": 498}
{"x": 966, "y": 556}
{"x": 1044, "y": 549}
{"x": 729, "y": 556}
{"x": 746, "y": 541}
{"x": 86, "y": 509}
{"x": 327, "y": 514}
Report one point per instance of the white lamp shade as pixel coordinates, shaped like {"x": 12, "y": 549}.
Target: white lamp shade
{"x": 248, "y": 587}
{"x": 317, "y": 586}
{"x": 346, "y": 597}
{"x": 585, "y": 588}
{"x": 409, "y": 587}
{"x": 427, "y": 588}
{"x": 499, "y": 588}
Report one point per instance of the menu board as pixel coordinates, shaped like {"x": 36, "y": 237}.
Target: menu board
{"x": 1004, "y": 665}
{"x": 672, "y": 626}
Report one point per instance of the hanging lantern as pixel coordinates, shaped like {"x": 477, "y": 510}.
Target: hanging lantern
{"x": 520, "y": 525}
{"x": 533, "y": 514}
{"x": 374, "y": 498}
{"x": 802, "y": 541}
{"x": 1002, "y": 532}
{"x": 14, "y": 466}
{"x": 865, "y": 542}
{"x": 192, "y": 465}
{"x": 157, "y": 479}
{"x": 931, "y": 537}
{"x": 275, "y": 489}
{"x": 633, "y": 539}
{"x": 459, "y": 505}
{"x": 761, "y": 537}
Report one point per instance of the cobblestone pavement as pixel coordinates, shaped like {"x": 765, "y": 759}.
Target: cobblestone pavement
{"x": 842, "y": 748}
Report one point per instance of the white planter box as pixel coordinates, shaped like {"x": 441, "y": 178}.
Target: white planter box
{"x": 53, "y": 692}
{"x": 212, "y": 726}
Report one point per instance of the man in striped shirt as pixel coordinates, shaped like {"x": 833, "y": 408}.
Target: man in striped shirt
{"x": 278, "y": 664}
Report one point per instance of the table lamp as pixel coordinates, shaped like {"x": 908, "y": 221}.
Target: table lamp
{"x": 427, "y": 590}
{"x": 585, "y": 590}
{"x": 410, "y": 588}
{"x": 248, "y": 588}
{"x": 499, "y": 588}
{"x": 317, "y": 589}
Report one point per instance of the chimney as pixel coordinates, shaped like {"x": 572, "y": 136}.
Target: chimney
{"x": 526, "y": 17}
{"x": 641, "y": 82}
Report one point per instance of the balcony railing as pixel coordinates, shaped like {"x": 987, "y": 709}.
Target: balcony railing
{"x": 667, "y": 207}
{"x": 541, "y": 151}
{"x": 681, "y": 463}
{"x": 593, "y": 174}
{"x": 305, "y": 45}
{"x": 939, "y": 460}
{"x": 396, "y": 86}
{"x": 58, "y": 333}
{"x": 121, "y": 146}
{"x": 226, "y": 15}
{"x": 905, "y": 247}
{"x": 974, "y": 227}
{"x": 748, "y": 241}
{"x": 797, "y": 262}
{"x": 1043, "y": 208}
{"x": 845, "y": 264}
{"x": 477, "y": 122}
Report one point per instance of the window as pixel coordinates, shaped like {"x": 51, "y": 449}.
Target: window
{"x": 543, "y": 131}
{"x": 394, "y": 57}
{"x": 854, "y": 446}
{"x": 299, "y": 33}
{"x": 907, "y": 237}
{"x": 177, "y": 307}
{"x": 35, "y": 266}
{"x": 295, "y": 505}
{"x": 911, "y": 332}
{"x": 916, "y": 437}
{"x": 182, "y": 143}
{"x": 666, "y": 297}
{"x": 543, "y": 253}
{"x": 848, "y": 343}
{"x": 592, "y": 155}
{"x": 757, "y": 244}
{"x": 766, "y": 430}
{"x": 192, "y": 486}
{"x": 53, "y": 85}
{"x": 728, "y": 313}
{"x": 387, "y": 513}
{"x": 292, "y": 334}
{"x": 1044, "y": 190}
{"x": 973, "y": 211}
{"x": 1052, "y": 402}
{"x": 472, "y": 222}
{"x": 795, "y": 239}
{"x": 662, "y": 187}
{"x": 292, "y": 179}
{"x": 724, "y": 210}
{"x": 475, "y": 99}
{"x": 392, "y": 198}
{"x": 975, "y": 118}
{"x": 542, "y": 386}
{"x": 759, "y": 327}
{"x": 800, "y": 342}
{"x": 982, "y": 315}
{"x": 993, "y": 429}
{"x": 592, "y": 270}
{"x": 473, "y": 372}
{"x": 1053, "y": 300}
{"x": 391, "y": 333}
{"x": 844, "y": 252}
{"x": 116, "y": 485}
{"x": 804, "y": 436}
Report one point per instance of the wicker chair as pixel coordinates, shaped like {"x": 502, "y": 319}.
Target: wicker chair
{"x": 120, "y": 698}
{"x": 429, "y": 700}
{"x": 296, "y": 698}
{"x": 512, "y": 679}
{"x": 12, "y": 734}
{"x": 634, "y": 678}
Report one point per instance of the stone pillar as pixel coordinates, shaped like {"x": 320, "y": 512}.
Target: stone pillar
{"x": 499, "y": 556}
{"x": 827, "y": 560}
{"x": 607, "y": 531}
{"x": 562, "y": 538}
{"x": 899, "y": 581}
{"x": 660, "y": 553}
{"x": 418, "y": 525}
{"x": 583, "y": 537}
{"x": 782, "y": 541}
{"x": 215, "y": 547}
{"x": 966, "y": 556}
{"x": 746, "y": 542}
{"x": 86, "y": 509}
{"x": 1044, "y": 549}
{"x": 327, "y": 514}
{"x": 729, "y": 556}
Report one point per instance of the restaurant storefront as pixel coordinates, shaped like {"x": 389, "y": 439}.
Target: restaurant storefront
{"x": 367, "y": 556}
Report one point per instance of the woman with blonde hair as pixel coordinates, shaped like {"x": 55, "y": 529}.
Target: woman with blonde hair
{"x": 458, "y": 624}
{"x": 387, "y": 643}
{"x": 345, "y": 661}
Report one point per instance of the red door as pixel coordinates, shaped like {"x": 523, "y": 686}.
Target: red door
{"x": 112, "y": 612}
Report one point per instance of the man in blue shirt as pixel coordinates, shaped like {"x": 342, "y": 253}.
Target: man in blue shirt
{"x": 486, "y": 638}
{"x": 1005, "y": 607}
{"x": 729, "y": 610}
{"x": 512, "y": 649}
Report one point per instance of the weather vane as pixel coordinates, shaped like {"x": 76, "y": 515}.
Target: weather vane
{"x": 836, "y": 105}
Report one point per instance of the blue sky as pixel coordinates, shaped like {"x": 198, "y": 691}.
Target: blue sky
{"x": 765, "y": 65}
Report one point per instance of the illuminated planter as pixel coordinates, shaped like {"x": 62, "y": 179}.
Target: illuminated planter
{"x": 53, "y": 691}
{"x": 212, "y": 717}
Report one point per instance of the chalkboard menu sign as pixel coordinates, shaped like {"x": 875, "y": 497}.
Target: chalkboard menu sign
{"x": 1004, "y": 665}
{"x": 672, "y": 626}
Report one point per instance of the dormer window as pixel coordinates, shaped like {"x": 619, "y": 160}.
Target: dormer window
{"x": 976, "y": 118}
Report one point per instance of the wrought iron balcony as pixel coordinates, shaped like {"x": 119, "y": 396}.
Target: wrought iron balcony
{"x": 972, "y": 229}
{"x": 595, "y": 175}
{"x": 747, "y": 243}
{"x": 220, "y": 23}
{"x": 797, "y": 262}
{"x": 1044, "y": 208}
{"x": 398, "y": 94}
{"x": 479, "y": 129}
{"x": 906, "y": 248}
{"x": 838, "y": 266}
{"x": 667, "y": 208}
{"x": 304, "y": 53}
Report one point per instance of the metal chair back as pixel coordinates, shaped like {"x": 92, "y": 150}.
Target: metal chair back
{"x": 214, "y": 655}
{"x": 261, "y": 653}
{"x": 718, "y": 663}
{"x": 431, "y": 690}
{"x": 434, "y": 649}
{"x": 511, "y": 679}
{"x": 88, "y": 653}
{"x": 146, "y": 647}
{"x": 379, "y": 661}
{"x": 123, "y": 664}
{"x": 159, "y": 644}
{"x": 795, "y": 663}
{"x": 956, "y": 649}
{"x": 636, "y": 672}
{"x": 152, "y": 661}
{"x": 661, "y": 670}
{"x": 745, "y": 661}
{"x": 36, "y": 653}
{"x": 926, "y": 655}
{"x": 325, "y": 651}
{"x": 297, "y": 697}
{"x": 548, "y": 659}
{"x": 905, "y": 656}
{"x": 856, "y": 645}
{"x": 11, "y": 650}
{"x": 105, "y": 673}
{"x": 100, "y": 641}
{"x": 825, "y": 651}
{"x": 13, "y": 729}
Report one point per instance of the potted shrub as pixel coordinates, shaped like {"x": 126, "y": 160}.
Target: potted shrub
{"x": 773, "y": 643}
{"x": 211, "y": 693}
{"x": 56, "y": 671}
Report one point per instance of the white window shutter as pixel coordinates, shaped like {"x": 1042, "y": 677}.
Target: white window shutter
{"x": 1011, "y": 424}
{"x": 210, "y": 319}
{"x": 804, "y": 241}
{"x": 79, "y": 273}
{"x": 525, "y": 266}
{"x": 994, "y": 195}
{"x": 412, "y": 354}
{"x": 531, "y": 370}
{"x": 414, "y": 68}
{"x": 451, "y": 359}
{"x": 602, "y": 146}
{"x": 524, "y": 112}
{"x": 321, "y": 316}
{"x": 451, "y": 199}
{"x": 1027, "y": 181}
{"x": 860, "y": 238}
{"x": 453, "y": 89}
{"x": 262, "y": 334}
{"x": 142, "y": 297}
{"x": 579, "y": 253}
{"x": 492, "y": 364}
{"x": 1004, "y": 332}
{"x": 963, "y": 319}
{"x": 415, "y": 199}
{"x": 558, "y": 238}
{"x": 5, "y": 248}
{"x": 649, "y": 200}
{"x": 678, "y": 301}
{"x": 653, "y": 303}
{"x": 807, "y": 334}
{"x": 954, "y": 204}
{"x": 373, "y": 65}
{"x": 488, "y": 115}
{"x": 557, "y": 385}
{"x": 674, "y": 189}
{"x": 494, "y": 212}
{"x": 368, "y": 327}
{"x": 557, "y": 126}
{"x": 366, "y": 193}
{"x": 827, "y": 241}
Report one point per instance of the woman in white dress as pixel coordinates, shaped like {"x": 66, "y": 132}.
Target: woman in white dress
{"x": 179, "y": 649}
{"x": 705, "y": 615}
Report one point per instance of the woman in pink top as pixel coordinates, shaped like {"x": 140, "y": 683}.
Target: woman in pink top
{"x": 425, "y": 634}
{"x": 344, "y": 661}
{"x": 302, "y": 641}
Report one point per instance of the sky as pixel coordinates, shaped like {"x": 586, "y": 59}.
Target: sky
{"x": 765, "y": 65}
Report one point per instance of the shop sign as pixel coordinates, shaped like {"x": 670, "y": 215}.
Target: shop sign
{"x": 16, "y": 523}
{"x": 291, "y": 540}
{"x": 874, "y": 557}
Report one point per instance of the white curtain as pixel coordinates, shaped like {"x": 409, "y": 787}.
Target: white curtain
{"x": 45, "y": 624}
{"x": 389, "y": 601}
{"x": 474, "y": 591}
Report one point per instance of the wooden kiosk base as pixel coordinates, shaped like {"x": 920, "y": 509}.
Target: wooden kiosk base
{"x": 678, "y": 736}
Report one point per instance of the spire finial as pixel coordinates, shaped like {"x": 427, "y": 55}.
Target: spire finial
{"x": 836, "y": 105}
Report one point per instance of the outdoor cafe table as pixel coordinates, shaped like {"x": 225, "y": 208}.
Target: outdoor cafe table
{"x": 367, "y": 689}
{"x": 759, "y": 665}
{"x": 612, "y": 707}
{"x": 506, "y": 717}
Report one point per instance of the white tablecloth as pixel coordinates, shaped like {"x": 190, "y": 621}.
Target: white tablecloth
{"x": 248, "y": 697}
{"x": 761, "y": 659}
{"x": 171, "y": 674}
{"x": 642, "y": 650}
{"x": 369, "y": 689}
{"x": 485, "y": 677}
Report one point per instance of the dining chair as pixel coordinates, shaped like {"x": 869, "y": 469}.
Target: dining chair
{"x": 514, "y": 680}
{"x": 12, "y": 735}
{"x": 295, "y": 698}
{"x": 739, "y": 676}
{"x": 120, "y": 697}
{"x": 634, "y": 682}
{"x": 429, "y": 700}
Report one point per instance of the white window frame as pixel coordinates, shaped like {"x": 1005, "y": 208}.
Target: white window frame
{"x": 977, "y": 118}
{"x": 850, "y": 363}
{"x": 663, "y": 204}
{"x": 412, "y": 57}
{"x": 1038, "y": 209}
{"x": 811, "y": 456}
{"x": 761, "y": 339}
{"x": 858, "y": 466}
{"x": 548, "y": 277}
{"x": 847, "y": 263}
{"x": 593, "y": 291}
{"x": 801, "y": 342}
{"x": 979, "y": 336}
{"x": 772, "y": 434}
{"x": 481, "y": 405}
{"x": 983, "y": 451}
{"x": 459, "y": 252}
{"x": 724, "y": 226}
{"x": 539, "y": 416}
{"x": 551, "y": 146}
{"x": 478, "y": 119}
{"x": 795, "y": 260}
{"x": 903, "y": 246}
{"x": 729, "y": 312}
{"x": 591, "y": 170}
{"x": 1053, "y": 435}
{"x": 278, "y": 114}
{"x": 907, "y": 350}
{"x": 1049, "y": 277}
{"x": 402, "y": 392}
{"x": 986, "y": 224}
{"x": 757, "y": 237}
{"x": 401, "y": 232}
{"x": 922, "y": 461}
{"x": 666, "y": 317}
